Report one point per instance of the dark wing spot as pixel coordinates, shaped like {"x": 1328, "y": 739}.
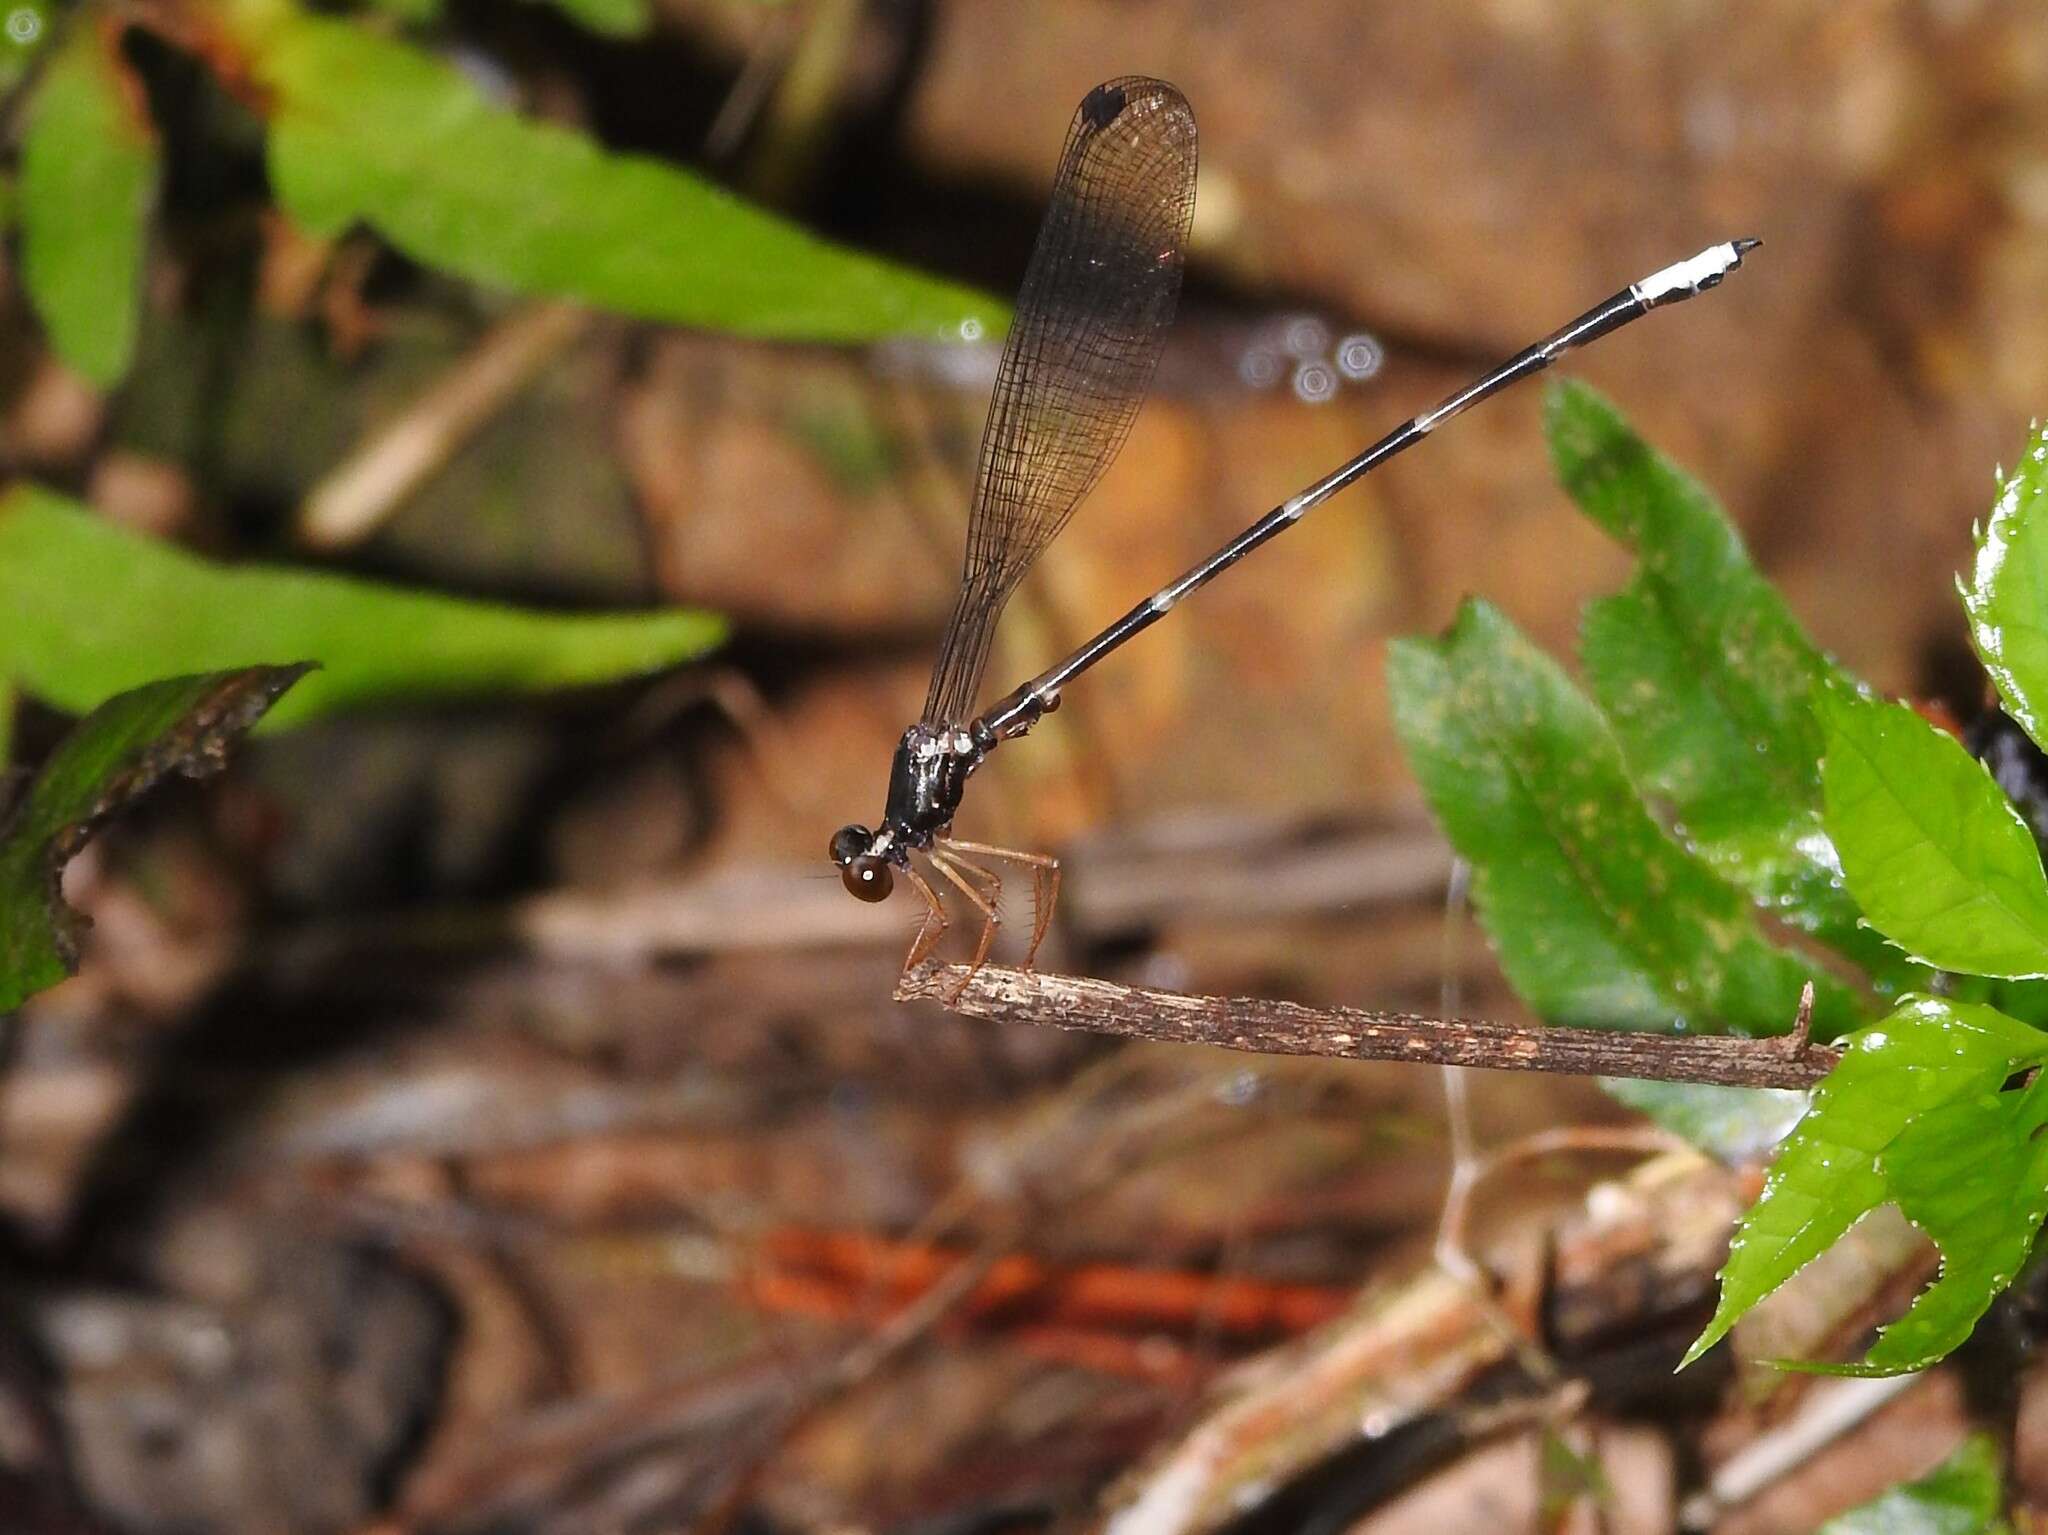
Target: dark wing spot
{"x": 1102, "y": 106}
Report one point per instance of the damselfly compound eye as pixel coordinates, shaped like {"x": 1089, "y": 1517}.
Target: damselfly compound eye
{"x": 848, "y": 843}
{"x": 868, "y": 878}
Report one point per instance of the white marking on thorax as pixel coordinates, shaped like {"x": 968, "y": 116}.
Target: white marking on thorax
{"x": 954, "y": 742}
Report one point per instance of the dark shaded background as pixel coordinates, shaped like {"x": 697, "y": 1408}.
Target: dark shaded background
{"x": 425, "y": 1143}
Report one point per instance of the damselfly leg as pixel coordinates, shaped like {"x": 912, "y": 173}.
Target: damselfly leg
{"x": 982, "y": 888}
{"x": 983, "y": 900}
{"x": 1045, "y": 883}
{"x": 932, "y": 928}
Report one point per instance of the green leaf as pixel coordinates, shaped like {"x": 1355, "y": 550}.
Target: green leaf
{"x": 2024, "y": 1000}
{"x": 1707, "y": 679}
{"x": 1735, "y": 1124}
{"x": 371, "y": 129}
{"x": 88, "y": 176}
{"x": 610, "y": 18}
{"x": 1566, "y": 1478}
{"x": 114, "y": 755}
{"x": 1961, "y": 1496}
{"x": 87, "y": 609}
{"x": 1929, "y": 1053}
{"x": 1973, "y": 1175}
{"x": 1936, "y": 856}
{"x": 415, "y": 12}
{"x": 2007, "y": 593}
{"x": 1599, "y": 917}
{"x": 29, "y": 29}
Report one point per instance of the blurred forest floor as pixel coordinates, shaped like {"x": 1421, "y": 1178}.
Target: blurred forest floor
{"x": 495, "y": 1119}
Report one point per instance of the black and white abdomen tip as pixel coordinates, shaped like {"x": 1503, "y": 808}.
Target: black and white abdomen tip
{"x": 1696, "y": 274}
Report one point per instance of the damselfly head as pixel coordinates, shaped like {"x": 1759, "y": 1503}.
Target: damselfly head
{"x": 860, "y": 870}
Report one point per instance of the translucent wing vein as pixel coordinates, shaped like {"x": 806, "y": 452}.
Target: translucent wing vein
{"x": 1097, "y": 298}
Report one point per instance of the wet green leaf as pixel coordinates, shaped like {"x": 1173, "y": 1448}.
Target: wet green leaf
{"x": 88, "y": 176}
{"x": 1878, "y": 1131}
{"x": 1973, "y": 1175}
{"x": 1736, "y": 1124}
{"x": 1936, "y": 856}
{"x": 365, "y": 128}
{"x": 87, "y": 609}
{"x": 114, "y": 755}
{"x": 1707, "y": 679}
{"x": 2024, "y": 1000}
{"x": 1599, "y": 917}
{"x": 1961, "y": 1496}
{"x": 2007, "y": 593}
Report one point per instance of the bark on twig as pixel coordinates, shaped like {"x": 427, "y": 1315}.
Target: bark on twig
{"x": 1003, "y": 995}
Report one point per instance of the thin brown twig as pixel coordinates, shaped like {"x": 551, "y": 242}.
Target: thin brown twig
{"x": 1801, "y": 1039}
{"x": 1003, "y": 995}
{"x": 359, "y": 494}
{"x": 1623, "y": 1140}
{"x": 1833, "y": 1410}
